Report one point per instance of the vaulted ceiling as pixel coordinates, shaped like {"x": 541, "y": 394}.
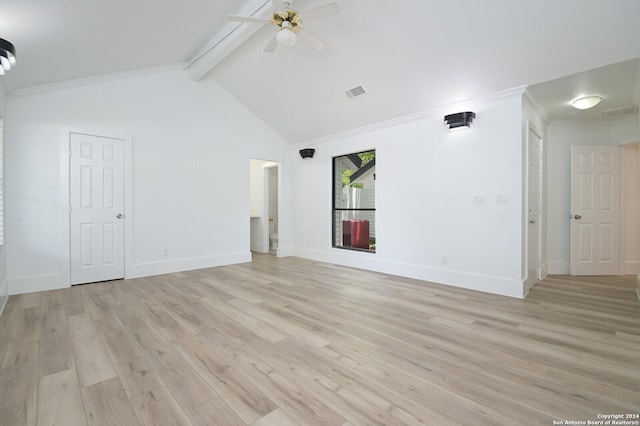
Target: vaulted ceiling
{"x": 409, "y": 56}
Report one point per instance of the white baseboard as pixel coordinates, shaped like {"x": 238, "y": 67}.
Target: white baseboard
{"x": 178, "y": 265}
{"x": 30, "y": 284}
{"x": 558, "y": 267}
{"x": 490, "y": 284}
{"x": 284, "y": 252}
{"x": 33, "y": 283}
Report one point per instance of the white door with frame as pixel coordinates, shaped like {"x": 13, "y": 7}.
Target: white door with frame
{"x": 595, "y": 187}
{"x": 96, "y": 170}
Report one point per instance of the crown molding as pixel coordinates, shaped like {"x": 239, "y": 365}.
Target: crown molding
{"x": 95, "y": 79}
{"x": 436, "y": 110}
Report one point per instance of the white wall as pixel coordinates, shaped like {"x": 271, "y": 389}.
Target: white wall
{"x": 259, "y": 219}
{"x": 256, "y": 177}
{"x": 437, "y": 211}
{"x": 561, "y": 136}
{"x": 190, "y": 184}
{"x": 4, "y": 285}
{"x": 637, "y": 100}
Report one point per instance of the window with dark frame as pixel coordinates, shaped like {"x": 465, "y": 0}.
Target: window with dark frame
{"x": 354, "y": 201}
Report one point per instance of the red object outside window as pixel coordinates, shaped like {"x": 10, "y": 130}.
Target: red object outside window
{"x": 355, "y": 233}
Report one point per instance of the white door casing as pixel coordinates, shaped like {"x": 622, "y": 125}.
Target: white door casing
{"x": 595, "y": 183}
{"x": 96, "y": 170}
{"x": 265, "y": 209}
{"x": 534, "y": 207}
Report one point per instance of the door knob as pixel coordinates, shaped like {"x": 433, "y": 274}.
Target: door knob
{"x": 119, "y": 216}
{"x": 577, "y": 216}
{"x": 532, "y": 221}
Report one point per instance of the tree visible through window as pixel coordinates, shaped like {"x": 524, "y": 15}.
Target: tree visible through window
{"x": 354, "y": 201}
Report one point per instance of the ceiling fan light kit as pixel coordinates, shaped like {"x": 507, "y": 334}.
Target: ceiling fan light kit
{"x": 286, "y": 37}
{"x": 7, "y": 55}
{"x": 289, "y": 22}
{"x": 586, "y": 102}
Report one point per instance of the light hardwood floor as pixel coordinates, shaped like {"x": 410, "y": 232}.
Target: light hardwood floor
{"x": 291, "y": 341}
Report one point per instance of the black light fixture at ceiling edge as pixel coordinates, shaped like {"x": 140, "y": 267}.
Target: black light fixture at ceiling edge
{"x": 459, "y": 119}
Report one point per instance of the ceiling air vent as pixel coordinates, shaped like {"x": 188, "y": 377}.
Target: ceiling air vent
{"x": 356, "y": 91}
{"x": 617, "y": 112}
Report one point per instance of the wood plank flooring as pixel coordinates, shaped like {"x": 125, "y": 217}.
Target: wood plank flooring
{"x": 296, "y": 342}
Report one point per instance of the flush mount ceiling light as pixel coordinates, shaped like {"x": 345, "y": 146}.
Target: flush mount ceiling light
{"x": 586, "y": 102}
{"x": 7, "y": 55}
{"x": 460, "y": 120}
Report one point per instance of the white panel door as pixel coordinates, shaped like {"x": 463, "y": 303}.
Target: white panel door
{"x": 534, "y": 207}
{"x": 97, "y": 208}
{"x": 594, "y": 210}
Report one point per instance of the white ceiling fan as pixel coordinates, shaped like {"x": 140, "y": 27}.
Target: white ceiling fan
{"x": 289, "y": 23}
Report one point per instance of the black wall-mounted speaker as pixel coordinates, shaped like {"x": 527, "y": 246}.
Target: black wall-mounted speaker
{"x": 461, "y": 119}
{"x": 307, "y": 152}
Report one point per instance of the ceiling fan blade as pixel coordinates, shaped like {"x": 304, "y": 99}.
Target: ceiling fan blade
{"x": 315, "y": 41}
{"x": 325, "y": 11}
{"x": 249, "y": 19}
{"x": 273, "y": 43}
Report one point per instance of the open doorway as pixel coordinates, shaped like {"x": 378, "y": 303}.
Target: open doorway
{"x": 264, "y": 202}
{"x": 534, "y": 207}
